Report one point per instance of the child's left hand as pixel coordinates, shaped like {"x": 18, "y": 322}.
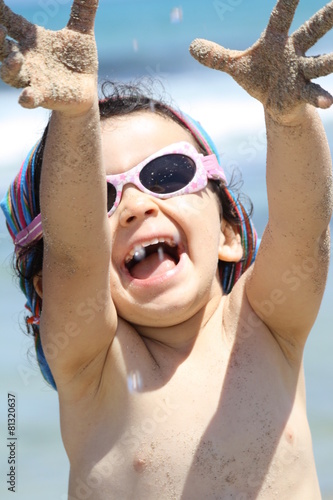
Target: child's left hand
{"x": 275, "y": 69}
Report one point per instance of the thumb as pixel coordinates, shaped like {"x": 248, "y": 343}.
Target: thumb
{"x": 212, "y": 55}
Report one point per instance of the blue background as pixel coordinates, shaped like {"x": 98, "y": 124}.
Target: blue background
{"x": 136, "y": 38}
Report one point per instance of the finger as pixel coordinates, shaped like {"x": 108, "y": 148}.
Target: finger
{"x": 314, "y": 94}
{"x": 83, "y": 15}
{"x": 3, "y": 43}
{"x": 282, "y": 16}
{"x": 315, "y": 28}
{"x": 315, "y": 67}
{"x": 7, "y": 47}
{"x": 18, "y": 27}
{"x": 213, "y": 55}
{"x": 11, "y": 70}
{"x": 31, "y": 98}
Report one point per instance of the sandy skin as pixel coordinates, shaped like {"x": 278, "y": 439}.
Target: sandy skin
{"x": 275, "y": 70}
{"x": 229, "y": 406}
{"x": 70, "y": 54}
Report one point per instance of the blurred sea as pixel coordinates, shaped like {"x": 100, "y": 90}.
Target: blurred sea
{"x": 150, "y": 39}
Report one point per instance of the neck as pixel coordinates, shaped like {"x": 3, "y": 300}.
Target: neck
{"x": 178, "y": 341}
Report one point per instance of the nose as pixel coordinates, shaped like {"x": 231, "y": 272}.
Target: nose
{"x": 135, "y": 206}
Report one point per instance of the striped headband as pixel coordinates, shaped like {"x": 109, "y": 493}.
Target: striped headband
{"x": 23, "y": 221}
{"x": 19, "y": 205}
{"x": 25, "y": 227}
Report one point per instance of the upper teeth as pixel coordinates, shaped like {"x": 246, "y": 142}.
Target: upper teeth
{"x": 138, "y": 252}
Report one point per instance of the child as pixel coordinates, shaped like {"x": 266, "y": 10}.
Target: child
{"x": 217, "y": 408}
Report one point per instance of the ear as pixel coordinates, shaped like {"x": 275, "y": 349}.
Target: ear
{"x": 230, "y": 247}
{"x": 38, "y": 284}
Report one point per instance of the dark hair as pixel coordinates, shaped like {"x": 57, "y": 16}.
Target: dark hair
{"x": 117, "y": 99}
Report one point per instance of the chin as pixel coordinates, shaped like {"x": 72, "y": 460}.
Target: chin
{"x": 164, "y": 311}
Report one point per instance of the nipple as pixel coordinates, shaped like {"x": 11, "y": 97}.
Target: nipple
{"x": 134, "y": 381}
{"x": 139, "y": 464}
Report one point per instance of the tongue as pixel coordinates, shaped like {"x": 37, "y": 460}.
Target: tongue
{"x": 152, "y": 266}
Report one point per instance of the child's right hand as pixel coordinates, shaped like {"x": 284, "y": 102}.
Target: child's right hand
{"x": 57, "y": 69}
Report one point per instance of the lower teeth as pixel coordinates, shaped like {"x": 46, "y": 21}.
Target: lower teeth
{"x": 160, "y": 253}
{"x": 139, "y": 253}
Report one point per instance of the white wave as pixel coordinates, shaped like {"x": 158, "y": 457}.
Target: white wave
{"x": 228, "y": 114}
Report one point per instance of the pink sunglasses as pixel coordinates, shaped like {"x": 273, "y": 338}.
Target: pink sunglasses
{"x": 172, "y": 171}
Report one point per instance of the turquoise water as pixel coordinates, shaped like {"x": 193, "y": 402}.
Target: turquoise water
{"x": 137, "y": 38}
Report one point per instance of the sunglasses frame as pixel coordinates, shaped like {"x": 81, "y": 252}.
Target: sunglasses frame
{"x": 207, "y": 167}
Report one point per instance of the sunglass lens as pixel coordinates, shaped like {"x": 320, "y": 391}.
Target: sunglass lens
{"x": 111, "y": 195}
{"x": 168, "y": 173}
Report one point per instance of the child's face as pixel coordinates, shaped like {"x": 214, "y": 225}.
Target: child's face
{"x": 177, "y": 278}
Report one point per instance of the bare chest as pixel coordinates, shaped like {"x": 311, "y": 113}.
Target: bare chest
{"x": 229, "y": 429}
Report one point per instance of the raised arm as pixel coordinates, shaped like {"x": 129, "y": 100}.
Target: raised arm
{"x": 287, "y": 281}
{"x": 58, "y": 70}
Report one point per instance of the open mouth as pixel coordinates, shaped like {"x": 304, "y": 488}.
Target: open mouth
{"x": 152, "y": 258}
